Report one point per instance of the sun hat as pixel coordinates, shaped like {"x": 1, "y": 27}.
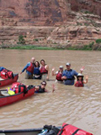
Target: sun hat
{"x": 68, "y": 64}
{"x": 61, "y": 66}
{"x": 79, "y": 74}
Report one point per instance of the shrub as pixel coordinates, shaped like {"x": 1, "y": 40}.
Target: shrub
{"x": 98, "y": 41}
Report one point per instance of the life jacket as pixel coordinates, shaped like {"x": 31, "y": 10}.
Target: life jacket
{"x": 58, "y": 76}
{"x": 30, "y": 68}
{"x": 18, "y": 87}
{"x": 5, "y": 74}
{"x": 40, "y": 90}
{"x": 72, "y": 130}
{"x": 43, "y": 70}
{"x": 79, "y": 84}
{"x": 36, "y": 71}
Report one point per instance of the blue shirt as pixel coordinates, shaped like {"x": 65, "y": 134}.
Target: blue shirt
{"x": 1, "y": 68}
{"x": 69, "y": 74}
{"x": 28, "y": 64}
{"x": 36, "y": 71}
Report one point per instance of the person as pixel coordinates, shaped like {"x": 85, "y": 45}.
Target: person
{"x": 80, "y": 80}
{"x": 58, "y": 74}
{"x": 37, "y": 74}
{"x": 41, "y": 88}
{"x": 68, "y": 75}
{"x": 29, "y": 69}
{"x": 44, "y": 70}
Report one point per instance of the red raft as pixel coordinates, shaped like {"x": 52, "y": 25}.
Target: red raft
{"x": 8, "y": 81}
{"x": 6, "y": 99}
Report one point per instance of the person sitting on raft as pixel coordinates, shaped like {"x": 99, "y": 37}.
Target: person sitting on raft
{"x": 41, "y": 88}
{"x": 29, "y": 69}
{"x": 44, "y": 70}
{"x": 68, "y": 75}
{"x": 80, "y": 80}
{"x": 58, "y": 73}
{"x": 37, "y": 74}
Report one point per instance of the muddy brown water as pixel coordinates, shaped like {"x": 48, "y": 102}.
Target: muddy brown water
{"x": 80, "y": 107}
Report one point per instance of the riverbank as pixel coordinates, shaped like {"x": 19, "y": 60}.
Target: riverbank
{"x": 90, "y": 47}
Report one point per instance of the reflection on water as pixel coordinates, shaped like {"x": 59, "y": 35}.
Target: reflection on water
{"x": 78, "y": 106}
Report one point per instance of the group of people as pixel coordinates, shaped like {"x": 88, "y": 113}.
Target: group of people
{"x": 68, "y": 75}
{"x": 36, "y": 70}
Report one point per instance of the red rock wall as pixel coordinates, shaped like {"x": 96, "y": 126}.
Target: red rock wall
{"x": 92, "y": 6}
{"x": 33, "y": 12}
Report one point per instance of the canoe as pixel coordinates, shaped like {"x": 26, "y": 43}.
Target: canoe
{"x": 21, "y": 132}
{"x": 8, "y": 81}
{"x": 6, "y": 99}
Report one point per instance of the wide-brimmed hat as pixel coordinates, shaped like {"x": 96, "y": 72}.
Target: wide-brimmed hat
{"x": 61, "y": 66}
{"x": 79, "y": 74}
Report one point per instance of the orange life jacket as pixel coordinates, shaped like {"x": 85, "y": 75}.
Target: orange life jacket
{"x": 58, "y": 76}
{"x": 43, "y": 70}
{"x": 31, "y": 68}
{"x": 79, "y": 84}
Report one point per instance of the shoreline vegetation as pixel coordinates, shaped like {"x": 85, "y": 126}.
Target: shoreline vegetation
{"x": 94, "y": 46}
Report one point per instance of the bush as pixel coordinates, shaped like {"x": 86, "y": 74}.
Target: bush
{"x": 98, "y": 41}
{"x": 21, "y": 39}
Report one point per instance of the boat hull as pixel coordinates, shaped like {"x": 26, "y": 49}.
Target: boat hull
{"x": 6, "y": 100}
{"x": 8, "y": 81}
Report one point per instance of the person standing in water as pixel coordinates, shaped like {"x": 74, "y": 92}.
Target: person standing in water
{"x": 68, "y": 75}
{"x": 80, "y": 80}
{"x": 58, "y": 73}
{"x": 29, "y": 69}
{"x": 44, "y": 70}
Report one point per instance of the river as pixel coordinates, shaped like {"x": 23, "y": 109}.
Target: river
{"x": 80, "y": 107}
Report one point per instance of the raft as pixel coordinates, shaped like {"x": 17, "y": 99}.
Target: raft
{"x": 5, "y": 82}
{"x": 6, "y": 99}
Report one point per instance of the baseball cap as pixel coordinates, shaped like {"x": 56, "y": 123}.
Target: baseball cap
{"x": 67, "y": 64}
{"x": 61, "y": 66}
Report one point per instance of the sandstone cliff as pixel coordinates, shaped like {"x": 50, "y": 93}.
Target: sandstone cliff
{"x": 50, "y": 22}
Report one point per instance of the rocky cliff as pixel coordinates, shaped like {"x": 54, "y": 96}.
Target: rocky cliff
{"x": 50, "y": 22}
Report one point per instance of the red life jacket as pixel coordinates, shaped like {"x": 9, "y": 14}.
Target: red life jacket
{"x": 30, "y": 68}
{"x": 58, "y": 76}
{"x": 5, "y": 74}
{"x": 43, "y": 70}
{"x": 72, "y": 130}
{"x": 18, "y": 87}
{"x": 79, "y": 84}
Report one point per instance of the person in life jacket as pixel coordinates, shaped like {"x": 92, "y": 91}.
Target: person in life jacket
{"x": 44, "y": 70}
{"x": 41, "y": 88}
{"x": 68, "y": 75}
{"x": 58, "y": 74}
{"x": 29, "y": 69}
{"x": 37, "y": 74}
{"x": 80, "y": 80}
